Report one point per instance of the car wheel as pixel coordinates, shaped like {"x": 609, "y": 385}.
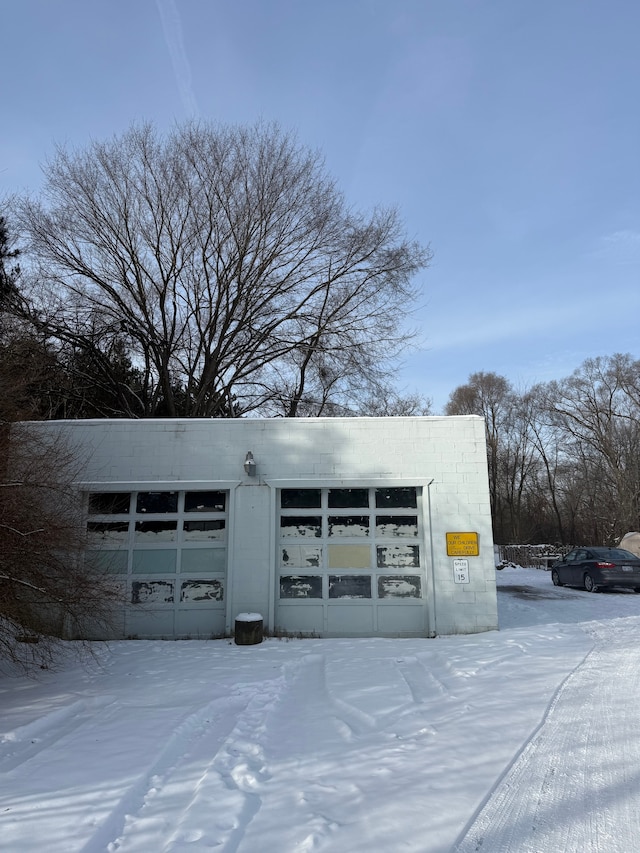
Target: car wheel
{"x": 589, "y": 584}
{"x": 555, "y": 577}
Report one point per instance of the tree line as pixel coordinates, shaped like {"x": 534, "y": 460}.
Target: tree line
{"x": 563, "y": 456}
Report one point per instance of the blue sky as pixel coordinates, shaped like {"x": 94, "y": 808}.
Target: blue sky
{"x": 506, "y": 132}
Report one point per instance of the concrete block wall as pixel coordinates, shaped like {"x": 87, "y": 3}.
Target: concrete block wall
{"x": 446, "y": 456}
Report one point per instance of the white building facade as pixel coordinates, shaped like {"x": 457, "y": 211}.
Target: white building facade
{"x": 327, "y": 527}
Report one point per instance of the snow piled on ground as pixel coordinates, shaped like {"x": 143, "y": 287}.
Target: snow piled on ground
{"x": 520, "y": 740}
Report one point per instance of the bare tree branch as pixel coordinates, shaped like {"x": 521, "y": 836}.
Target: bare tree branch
{"x": 49, "y": 589}
{"x": 222, "y": 258}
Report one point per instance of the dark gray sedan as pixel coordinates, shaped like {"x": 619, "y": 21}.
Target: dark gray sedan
{"x": 596, "y": 568}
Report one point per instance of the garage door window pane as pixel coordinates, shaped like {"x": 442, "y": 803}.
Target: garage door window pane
{"x": 155, "y": 531}
{"x": 298, "y": 526}
{"x": 399, "y": 586}
{"x": 300, "y": 498}
{"x": 108, "y": 531}
{"x": 349, "y": 557}
{"x": 398, "y": 526}
{"x": 398, "y": 556}
{"x": 109, "y": 503}
{"x": 195, "y": 531}
{"x": 300, "y": 556}
{"x": 349, "y": 586}
{"x": 201, "y": 591}
{"x": 154, "y": 562}
{"x": 204, "y": 501}
{"x": 203, "y": 560}
{"x": 396, "y": 498}
{"x": 111, "y": 562}
{"x": 301, "y": 586}
{"x": 348, "y": 525}
{"x": 157, "y": 502}
{"x": 152, "y": 592}
{"x": 348, "y": 498}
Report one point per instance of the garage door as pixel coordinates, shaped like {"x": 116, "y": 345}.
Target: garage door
{"x": 351, "y": 562}
{"x": 169, "y": 551}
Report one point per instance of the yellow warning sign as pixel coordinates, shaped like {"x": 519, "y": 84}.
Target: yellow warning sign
{"x": 462, "y": 545}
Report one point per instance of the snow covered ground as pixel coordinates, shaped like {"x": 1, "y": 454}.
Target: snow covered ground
{"x": 520, "y": 740}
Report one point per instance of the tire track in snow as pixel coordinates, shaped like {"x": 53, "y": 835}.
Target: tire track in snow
{"x": 305, "y": 715}
{"x": 231, "y": 807}
{"x": 200, "y": 732}
{"x": 27, "y": 741}
{"x": 277, "y": 723}
{"x": 211, "y": 791}
{"x": 422, "y": 683}
{"x": 206, "y": 787}
{"x": 575, "y": 785}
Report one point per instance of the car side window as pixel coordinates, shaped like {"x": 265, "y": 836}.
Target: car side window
{"x": 580, "y": 556}
{"x": 570, "y": 557}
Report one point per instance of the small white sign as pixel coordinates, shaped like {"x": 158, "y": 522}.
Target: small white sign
{"x": 461, "y": 571}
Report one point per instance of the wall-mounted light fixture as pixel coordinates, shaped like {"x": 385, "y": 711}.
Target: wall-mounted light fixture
{"x": 250, "y": 464}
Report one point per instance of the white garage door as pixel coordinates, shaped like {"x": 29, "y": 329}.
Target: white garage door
{"x": 351, "y": 562}
{"x": 169, "y": 551}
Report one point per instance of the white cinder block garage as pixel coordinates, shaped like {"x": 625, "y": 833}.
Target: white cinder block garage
{"x": 328, "y": 527}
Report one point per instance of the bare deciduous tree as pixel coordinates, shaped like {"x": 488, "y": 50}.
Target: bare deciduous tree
{"x": 227, "y": 263}
{"x": 564, "y": 457}
{"x": 597, "y": 414}
{"x": 9, "y": 269}
{"x": 24, "y": 361}
{"x": 48, "y": 589}
{"x": 490, "y": 396}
